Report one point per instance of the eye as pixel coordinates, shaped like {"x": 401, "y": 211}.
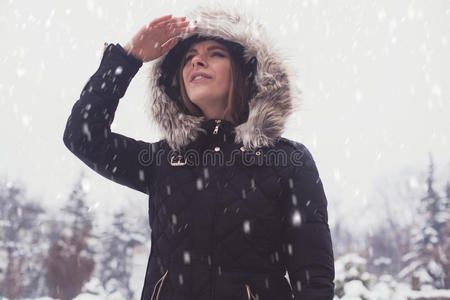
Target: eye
{"x": 188, "y": 58}
{"x": 218, "y": 54}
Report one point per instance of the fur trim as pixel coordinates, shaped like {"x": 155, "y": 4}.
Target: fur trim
{"x": 268, "y": 109}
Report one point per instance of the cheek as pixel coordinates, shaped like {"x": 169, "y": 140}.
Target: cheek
{"x": 225, "y": 72}
{"x": 185, "y": 81}
{"x": 229, "y": 75}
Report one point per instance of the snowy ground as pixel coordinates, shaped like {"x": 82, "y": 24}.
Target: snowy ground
{"x": 353, "y": 290}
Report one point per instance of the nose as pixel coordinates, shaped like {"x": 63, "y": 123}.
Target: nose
{"x": 198, "y": 60}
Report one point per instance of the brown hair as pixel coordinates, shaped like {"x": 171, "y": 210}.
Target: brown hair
{"x": 237, "y": 105}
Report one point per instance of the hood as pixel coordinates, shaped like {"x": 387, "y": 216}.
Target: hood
{"x": 270, "y": 105}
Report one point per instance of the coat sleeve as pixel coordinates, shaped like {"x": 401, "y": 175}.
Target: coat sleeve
{"x": 307, "y": 245}
{"x": 88, "y": 132}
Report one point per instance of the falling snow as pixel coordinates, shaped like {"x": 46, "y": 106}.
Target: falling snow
{"x": 375, "y": 105}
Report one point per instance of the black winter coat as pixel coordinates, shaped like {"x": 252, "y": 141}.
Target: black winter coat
{"x": 227, "y": 222}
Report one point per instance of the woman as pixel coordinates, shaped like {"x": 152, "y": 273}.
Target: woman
{"x": 232, "y": 204}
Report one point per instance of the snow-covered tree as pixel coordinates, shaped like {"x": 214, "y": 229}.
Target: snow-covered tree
{"x": 116, "y": 263}
{"x": 427, "y": 262}
{"x": 21, "y": 244}
{"x": 352, "y": 279}
{"x": 343, "y": 240}
{"x": 393, "y": 213}
{"x": 70, "y": 258}
{"x": 385, "y": 246}
{"x": 445, "y": 256}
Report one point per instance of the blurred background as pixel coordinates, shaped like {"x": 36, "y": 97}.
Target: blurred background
{"x": 374, "y": 111}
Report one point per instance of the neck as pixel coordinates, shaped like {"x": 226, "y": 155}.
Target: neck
{"x": 218, "y": 117}
{"x": 217, "y": 113}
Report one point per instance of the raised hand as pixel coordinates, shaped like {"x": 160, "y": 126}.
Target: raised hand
{"x": 157, "y": 37}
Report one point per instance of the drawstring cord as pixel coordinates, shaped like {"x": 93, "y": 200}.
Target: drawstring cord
{"x": 159, "y": 289}
{"x": 249, "y": 293}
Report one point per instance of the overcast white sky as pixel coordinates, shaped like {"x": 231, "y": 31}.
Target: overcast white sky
{"x": 374, "y": 76}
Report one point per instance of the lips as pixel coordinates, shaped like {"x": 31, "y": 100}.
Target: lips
{"x": 195, "y": 74}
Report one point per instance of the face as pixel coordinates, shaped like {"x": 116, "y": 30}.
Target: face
{"x": 207, "y": 74}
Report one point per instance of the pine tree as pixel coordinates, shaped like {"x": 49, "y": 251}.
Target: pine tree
{"x": 445, "y": 256}
{"x": 21, "y": 247}
{"x": 426, "y": 261}
{"x": 70, "y": 258}
{"x": 116, "y": 264}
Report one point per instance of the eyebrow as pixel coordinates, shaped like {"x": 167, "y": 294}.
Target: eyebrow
{"x": 209, "y": 48}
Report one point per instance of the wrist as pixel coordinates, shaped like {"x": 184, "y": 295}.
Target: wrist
{"x": 118, "y": 49}
{"x": 128, "y": 50}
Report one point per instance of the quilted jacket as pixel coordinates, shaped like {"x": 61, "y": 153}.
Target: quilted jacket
{"x": 236, "y": 212}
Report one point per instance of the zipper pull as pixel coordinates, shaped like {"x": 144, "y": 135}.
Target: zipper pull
{"x": 216, "y": 129}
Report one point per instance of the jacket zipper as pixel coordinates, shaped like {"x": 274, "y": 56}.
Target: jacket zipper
{"x": 216, "y": 129}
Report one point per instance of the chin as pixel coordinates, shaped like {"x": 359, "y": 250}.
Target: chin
{"x": 200, "y": 100}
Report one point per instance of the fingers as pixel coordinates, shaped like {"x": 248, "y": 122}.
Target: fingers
{"x": 178, "y": 31}
{"x": 173, "y": 38}
{"x": 171, "y": 29}
{"x": 171, "y": 22}
{"x": 159, "y": 20}
{"x": 180, "y": 24}
{"x": 164, "y": 21}
{"x": 178, "y": 27}
{"x": 169, "y": 44}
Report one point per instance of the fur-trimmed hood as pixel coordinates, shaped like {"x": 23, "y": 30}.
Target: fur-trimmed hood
{"x": 270, "y": 106}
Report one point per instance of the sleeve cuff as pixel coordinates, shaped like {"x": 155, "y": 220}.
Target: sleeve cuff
{"x": 117, "y": 49}
{"x": 117, "y": 69}
{"x": 131, "y": 57}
